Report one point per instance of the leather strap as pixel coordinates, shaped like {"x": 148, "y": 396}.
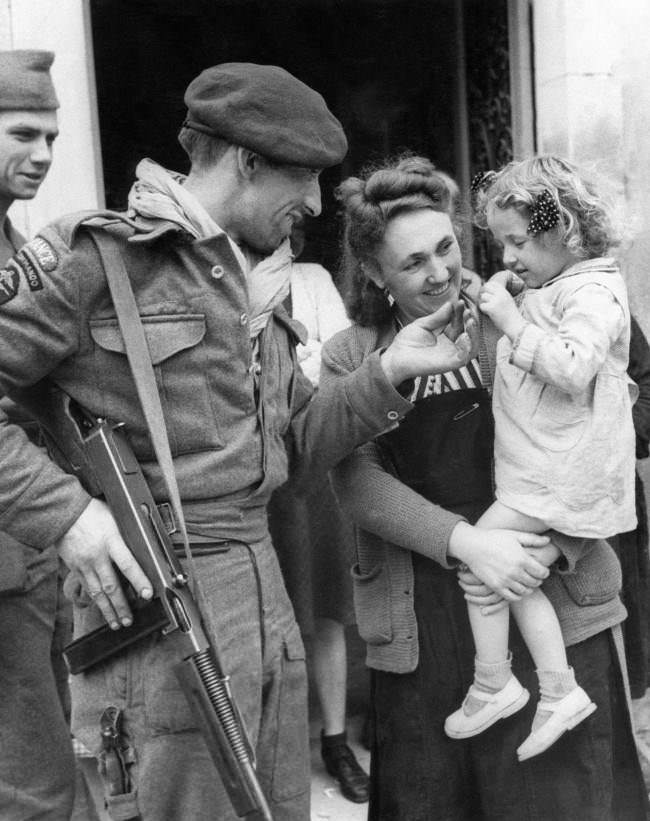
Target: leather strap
{"x": 137, "y": 351}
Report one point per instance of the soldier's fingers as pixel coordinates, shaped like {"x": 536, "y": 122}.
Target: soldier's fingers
{"x": 437, "y": 320}
{"x": 124, "y": 560}
{"x": 113, "y": 593}
{"x": 95, "y": 589}
{"x": 455, "y": 326}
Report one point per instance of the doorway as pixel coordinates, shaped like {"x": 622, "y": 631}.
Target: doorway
{"x": 417, "y": 75}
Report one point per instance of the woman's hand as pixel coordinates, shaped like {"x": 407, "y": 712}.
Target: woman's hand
{"x": 499, "y": 558}
{"x": 439, "y": 342}
{"x": 480, "y": 594}
{"x": 490, "y": 602}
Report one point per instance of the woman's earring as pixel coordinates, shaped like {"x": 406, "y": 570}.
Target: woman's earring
{"x": 389, "y": 297}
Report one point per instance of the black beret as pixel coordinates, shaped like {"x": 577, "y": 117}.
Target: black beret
{"x": 25, "y": 81}
{"x": 267, "y": 110}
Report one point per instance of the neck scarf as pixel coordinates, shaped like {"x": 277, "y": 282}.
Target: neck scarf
{"x": 159, "y": 194}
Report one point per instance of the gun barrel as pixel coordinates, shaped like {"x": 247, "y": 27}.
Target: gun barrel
{"x": 209, "y": 697}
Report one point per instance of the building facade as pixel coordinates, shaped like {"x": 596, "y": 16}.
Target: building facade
{"x": 470, "y": 83}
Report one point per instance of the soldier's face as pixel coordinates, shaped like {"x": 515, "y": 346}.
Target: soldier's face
{"x": 26, "y": 139}
{"x": 279, "y": 197}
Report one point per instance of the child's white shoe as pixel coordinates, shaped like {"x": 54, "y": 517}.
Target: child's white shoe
{"x": 505, "y": 702}
{"x": 564, "y": 715}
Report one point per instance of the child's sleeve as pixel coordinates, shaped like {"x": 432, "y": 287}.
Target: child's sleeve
{"x": 569, "y": 358}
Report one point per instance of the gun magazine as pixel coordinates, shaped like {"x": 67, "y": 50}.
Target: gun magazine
{"x": 103, "y": 643}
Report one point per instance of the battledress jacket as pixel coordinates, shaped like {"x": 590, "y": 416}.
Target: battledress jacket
{"x": 232, "y": 436}
{"x": 392, "y": 520}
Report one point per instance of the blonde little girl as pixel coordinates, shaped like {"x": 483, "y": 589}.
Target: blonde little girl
{"x": 564, "y": 440}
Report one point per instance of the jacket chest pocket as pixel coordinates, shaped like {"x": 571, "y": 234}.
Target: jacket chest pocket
{"x": 177, "y": 350}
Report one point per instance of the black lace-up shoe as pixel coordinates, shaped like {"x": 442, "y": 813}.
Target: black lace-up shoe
{"x": 341, "y": 763}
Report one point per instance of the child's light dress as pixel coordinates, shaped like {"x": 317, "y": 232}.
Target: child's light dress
{"x": 565, "y": 446}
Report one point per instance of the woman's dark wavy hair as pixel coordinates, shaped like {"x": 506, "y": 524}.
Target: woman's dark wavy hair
{"x": 369, "y": 202}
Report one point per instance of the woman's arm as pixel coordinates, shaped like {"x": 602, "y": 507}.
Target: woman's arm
{"x": 380, "y": 503}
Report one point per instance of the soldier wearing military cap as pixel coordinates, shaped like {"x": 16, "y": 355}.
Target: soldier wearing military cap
{"x": 28, "y": 128}
{"x": 208, "y": 259}
{"x": 36, "y": 762}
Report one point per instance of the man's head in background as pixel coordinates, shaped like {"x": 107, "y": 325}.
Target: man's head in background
{"x": 28, "y": 123}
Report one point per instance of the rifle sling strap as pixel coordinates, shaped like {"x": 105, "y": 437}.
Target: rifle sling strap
{"x": 137, "y": 351}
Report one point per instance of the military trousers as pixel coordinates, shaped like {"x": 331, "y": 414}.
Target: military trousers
{"x": 248, "y": 615}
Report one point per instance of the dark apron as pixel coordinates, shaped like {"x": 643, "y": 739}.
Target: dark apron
{"x": 443, "y": 450}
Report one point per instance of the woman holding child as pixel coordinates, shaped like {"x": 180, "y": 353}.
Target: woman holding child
{"x": 416, "y": 492}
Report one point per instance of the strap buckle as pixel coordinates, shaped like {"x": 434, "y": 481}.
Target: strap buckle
{"x": 166, "y": 512}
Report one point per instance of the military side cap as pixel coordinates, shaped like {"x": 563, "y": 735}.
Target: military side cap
{"x": 25, "y": 82}
{"x": 267, "y": 110}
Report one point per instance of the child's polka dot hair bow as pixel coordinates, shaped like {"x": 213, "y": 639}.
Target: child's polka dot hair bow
{"x": 544, "y": 215}
{"x": 481, "y": 180}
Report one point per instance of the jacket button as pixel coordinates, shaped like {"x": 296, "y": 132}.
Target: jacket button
{"x": 217, "y": 272}
{"x": 243, "y": 319}
{"x": 393, "y": 416}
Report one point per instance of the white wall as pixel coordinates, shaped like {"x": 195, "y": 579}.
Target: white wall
{"x": 74, "y": 182}
{"x": 592, "y": 84}
{"x": 633, "y": 68}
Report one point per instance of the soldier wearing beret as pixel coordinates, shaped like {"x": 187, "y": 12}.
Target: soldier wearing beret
{"x": 36, "y": 763}
{"x": 208, "y": 259}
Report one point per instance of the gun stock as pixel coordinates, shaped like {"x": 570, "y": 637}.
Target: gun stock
{"x": 173, "y": 608}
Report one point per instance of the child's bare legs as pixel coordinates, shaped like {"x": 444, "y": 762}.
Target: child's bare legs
{"x": 534, "y": 614}
{"x": 496, "y": 693}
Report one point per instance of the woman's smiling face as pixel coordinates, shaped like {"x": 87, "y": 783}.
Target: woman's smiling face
{"x": 419, "y": 263}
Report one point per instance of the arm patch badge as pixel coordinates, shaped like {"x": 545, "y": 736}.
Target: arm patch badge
{"x": 8, "y": 284}
{"x": 35, "y": 258}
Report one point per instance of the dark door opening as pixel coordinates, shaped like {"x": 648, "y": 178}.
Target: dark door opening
{"x": 387, "y": 68}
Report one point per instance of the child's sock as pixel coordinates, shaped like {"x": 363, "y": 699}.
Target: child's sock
{"x": 553, "y": 686}
{"x": 488, "y": 678}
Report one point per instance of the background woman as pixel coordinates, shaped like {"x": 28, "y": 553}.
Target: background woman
{"x": 314, "y": 541}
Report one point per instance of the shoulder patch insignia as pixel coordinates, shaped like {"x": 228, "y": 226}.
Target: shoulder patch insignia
{"x": 9, "y": 282}
{"x": 45, "y": 254}
{"x": 35, "y": 258}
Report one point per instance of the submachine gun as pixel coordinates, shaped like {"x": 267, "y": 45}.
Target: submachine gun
{"x": 172, "y": 609}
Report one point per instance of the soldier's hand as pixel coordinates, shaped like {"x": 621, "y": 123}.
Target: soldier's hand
{"x": 90, "y": 548}
{"x": 439, "y": 342}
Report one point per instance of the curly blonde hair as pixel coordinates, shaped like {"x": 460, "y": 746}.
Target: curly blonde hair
{"x": 586, "y": 224}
